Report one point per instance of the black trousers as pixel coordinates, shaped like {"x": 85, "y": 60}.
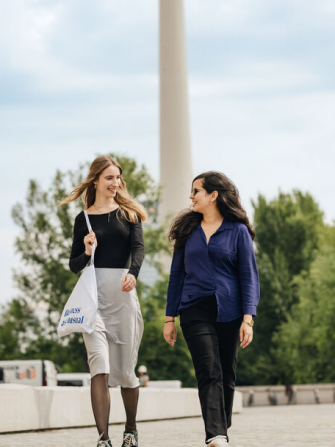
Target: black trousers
{"x": 213, "y": 347}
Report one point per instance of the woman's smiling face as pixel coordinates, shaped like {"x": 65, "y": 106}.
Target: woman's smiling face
{"x": 201, "y": 200}
{"x": 109, "y": 181}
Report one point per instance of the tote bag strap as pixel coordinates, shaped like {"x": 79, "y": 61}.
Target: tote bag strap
{"x": 89, "y": 229}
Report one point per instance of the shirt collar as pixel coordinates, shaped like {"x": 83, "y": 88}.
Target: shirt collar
{"x": 226, "y": 225}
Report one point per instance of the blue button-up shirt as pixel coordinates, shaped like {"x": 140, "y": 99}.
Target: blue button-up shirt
{"x": 225, "y": 267}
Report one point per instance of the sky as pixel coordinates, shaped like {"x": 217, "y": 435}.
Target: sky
{"x": 80, "y": 78}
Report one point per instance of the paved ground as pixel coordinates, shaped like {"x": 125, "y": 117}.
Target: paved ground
{"x": 296, "y": 426}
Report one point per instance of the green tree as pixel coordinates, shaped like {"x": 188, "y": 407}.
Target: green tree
{"x": 305, "y": 342}
{"x": 287, "y": 240}
{"x": 16, "y": 322}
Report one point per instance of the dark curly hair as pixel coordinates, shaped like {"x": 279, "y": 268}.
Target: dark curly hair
{"x": 228, "y": 203}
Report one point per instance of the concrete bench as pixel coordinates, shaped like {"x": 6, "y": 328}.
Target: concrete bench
{"x": 33, "y": 408}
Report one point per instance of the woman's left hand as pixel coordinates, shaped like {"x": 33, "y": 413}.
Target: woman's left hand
{"x": 246, "y": 334}
{"x": 128, "y": 283}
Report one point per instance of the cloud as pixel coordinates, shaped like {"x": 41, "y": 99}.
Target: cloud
{"x": 79, "y": 49}
{"x": 228, "y": 36}
{"x": 25, "y": 27}
{"x": 262, "y": 79}
{"x": 43, "y": 36}
{"x": 272, "y": 144}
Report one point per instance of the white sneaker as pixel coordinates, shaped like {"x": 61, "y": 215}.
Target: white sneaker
{"x": 103, "y": 443}
{"x": 218, "y": 441}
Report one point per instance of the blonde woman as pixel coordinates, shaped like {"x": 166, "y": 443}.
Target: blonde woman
{"x": 113, "y": 346}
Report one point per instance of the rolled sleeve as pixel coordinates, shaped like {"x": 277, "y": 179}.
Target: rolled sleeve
{"x": 176, "y": 281}
{"x": 247, "y": 272}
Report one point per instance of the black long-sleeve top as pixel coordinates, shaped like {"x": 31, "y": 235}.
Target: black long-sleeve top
{"x": 120, "y": 243}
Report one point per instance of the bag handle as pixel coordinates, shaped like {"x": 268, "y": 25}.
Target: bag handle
{"x": 89, "y": 229}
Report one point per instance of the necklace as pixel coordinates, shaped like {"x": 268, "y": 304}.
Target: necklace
{"x": 109, "y": 212}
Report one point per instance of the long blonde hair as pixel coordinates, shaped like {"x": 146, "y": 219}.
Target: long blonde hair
{"x": 128, "y": 207}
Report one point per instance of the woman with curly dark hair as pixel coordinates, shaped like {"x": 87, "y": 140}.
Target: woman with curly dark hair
{"x": 214, "y": 287}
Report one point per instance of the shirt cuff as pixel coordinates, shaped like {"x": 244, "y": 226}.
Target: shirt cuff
{"x": 171, "y": 311}
{"x": 249, "y": 310}
{"x": 133, "y": 272}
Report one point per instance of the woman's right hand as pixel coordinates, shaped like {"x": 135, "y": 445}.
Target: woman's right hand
{"x": 89, "y": 240}
{"x": 170, "y": 333}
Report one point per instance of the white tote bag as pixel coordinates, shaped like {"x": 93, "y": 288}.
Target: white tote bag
{"x": 80, "y": 311}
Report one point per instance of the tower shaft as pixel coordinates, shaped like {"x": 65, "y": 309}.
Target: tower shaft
{"x": 175, "y": 146}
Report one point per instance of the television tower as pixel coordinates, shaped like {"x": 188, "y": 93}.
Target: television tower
{"x": 175, "y": 146}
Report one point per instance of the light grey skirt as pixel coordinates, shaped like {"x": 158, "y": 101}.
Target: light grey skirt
{"x": 112, "y": 348}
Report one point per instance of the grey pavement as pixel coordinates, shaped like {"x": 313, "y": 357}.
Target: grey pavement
{"x": 298, "y": 426}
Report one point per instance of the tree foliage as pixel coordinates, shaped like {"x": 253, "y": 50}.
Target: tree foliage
{"x": 287, "y": 242}
{"x": 306, "y": 340}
